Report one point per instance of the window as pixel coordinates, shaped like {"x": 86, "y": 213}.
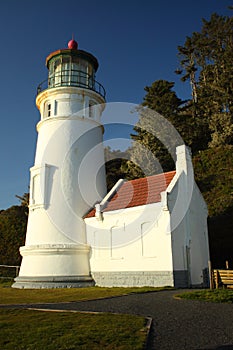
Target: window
{"x": 51, "y": 75}
{"x": 91, "y": 109}
{"x": 57, "y": 72}
{"x": 74, "y": 74}
{"x": 36, "y": 190}
{"x": 66, "y": 71}
{"x": 49, "y": 108}
{"x": 148, "y": 240}
{"x": 38, "y": 186}
{"x": 117, "y": 239}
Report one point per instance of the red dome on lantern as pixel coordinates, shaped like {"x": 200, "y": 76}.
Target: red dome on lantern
{"x": 73, "y": 45}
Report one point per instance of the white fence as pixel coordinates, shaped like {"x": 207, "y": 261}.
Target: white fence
{"x": 9, "y": 271}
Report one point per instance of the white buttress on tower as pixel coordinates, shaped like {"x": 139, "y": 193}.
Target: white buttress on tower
{"x": 68, "y": 177}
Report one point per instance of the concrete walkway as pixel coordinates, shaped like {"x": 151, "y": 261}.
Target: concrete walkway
{"x": 177, "y": 324}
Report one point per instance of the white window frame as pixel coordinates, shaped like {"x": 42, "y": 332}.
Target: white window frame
{"x": 48, "y": 109}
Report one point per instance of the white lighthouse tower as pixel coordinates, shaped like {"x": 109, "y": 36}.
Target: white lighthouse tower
{"x": 68, "y": 177}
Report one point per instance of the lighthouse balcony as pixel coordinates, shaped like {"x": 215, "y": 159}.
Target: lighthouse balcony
{"x": 75, "y": 78}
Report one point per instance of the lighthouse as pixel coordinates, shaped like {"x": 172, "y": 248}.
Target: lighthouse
{"x": 68, "y": 176}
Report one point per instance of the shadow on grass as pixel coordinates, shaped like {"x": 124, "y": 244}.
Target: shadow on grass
{"x": 220, "y": 347}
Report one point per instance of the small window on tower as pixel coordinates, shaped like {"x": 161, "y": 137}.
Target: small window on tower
{"x": 38, "y": 186}
{"x": 91, "y": 109}
{"x": 49, "y": 108}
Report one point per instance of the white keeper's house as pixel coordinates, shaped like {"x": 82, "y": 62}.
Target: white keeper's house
{"x": 145, "y": 232}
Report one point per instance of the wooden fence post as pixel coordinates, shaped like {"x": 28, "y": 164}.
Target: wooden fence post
{"x": 217, "y": 279}
{"x": 210, "y": 275}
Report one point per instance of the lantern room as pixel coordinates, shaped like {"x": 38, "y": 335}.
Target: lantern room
{"x": 72, "y": 67}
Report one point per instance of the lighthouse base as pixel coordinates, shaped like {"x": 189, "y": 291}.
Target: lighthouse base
{"x": 53, "y": 282}
{"x": 54, "y": 266}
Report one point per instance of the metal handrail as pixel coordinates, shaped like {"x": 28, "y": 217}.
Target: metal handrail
{"x": 74, "y": 78}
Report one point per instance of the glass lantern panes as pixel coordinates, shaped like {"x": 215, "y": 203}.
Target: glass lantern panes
{"x": 71, "y": 71}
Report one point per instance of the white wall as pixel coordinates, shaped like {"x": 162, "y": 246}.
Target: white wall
{"x": 188, "y": 221}
{"x": 67, "y": 179}
{"x": 133, "y": 239}
{"x": 167, "y": 236}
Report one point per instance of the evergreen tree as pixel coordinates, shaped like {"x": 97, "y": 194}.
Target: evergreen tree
{"x": 114, "y": 165}
{"x": 155, "y": 137}
{"x": 161, "y": 98}
{"x": 24, "y": 199}
{"x": 213, "y": 172}
{"x": 13, "y": 223}
{"x": 206, "y": 61}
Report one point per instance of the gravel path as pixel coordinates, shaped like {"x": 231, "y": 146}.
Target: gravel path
{"x": 177, "y": 324}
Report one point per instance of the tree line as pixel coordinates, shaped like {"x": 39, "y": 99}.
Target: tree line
{"x": 204, "y": 123}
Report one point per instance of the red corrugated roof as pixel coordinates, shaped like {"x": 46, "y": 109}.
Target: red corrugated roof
{"x": 138, "y": 192}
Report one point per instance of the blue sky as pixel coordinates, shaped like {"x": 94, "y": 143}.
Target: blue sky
{"x": 135, "y": 43}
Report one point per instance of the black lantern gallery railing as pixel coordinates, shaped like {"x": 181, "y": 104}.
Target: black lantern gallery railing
{"x": 72, "y": 78}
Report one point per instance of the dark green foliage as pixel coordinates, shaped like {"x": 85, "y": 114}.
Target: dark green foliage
{"x": 13, "y": 223}
{"x": 221, "y": 239}
{"x": 214, "y": 175}
{"x": 206, "y": 61}
{"x": 115, "y": 161}
{"x": 193, "y": 128}
{"x": 155, "y": 137}
{"x": 161, "y": 98}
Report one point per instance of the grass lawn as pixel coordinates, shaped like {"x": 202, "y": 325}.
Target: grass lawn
{"x": 38, "y": 330}
{"x": 212, "y": 295}
{"x": 10, "y": 295}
